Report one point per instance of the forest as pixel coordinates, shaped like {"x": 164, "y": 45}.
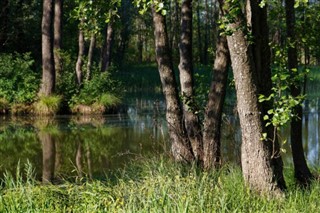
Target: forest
{"x": 205, "y": 60}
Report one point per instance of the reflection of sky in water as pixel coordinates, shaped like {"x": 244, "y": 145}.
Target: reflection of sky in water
{"x": 311, "y": 125}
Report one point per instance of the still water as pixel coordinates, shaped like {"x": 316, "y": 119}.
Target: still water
{"x": 90, "y": 146}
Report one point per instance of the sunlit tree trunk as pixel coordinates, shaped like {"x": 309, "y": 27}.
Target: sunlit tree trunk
{"x": 90, "y": 55}
{"x": 213, "y": 111}
{"x": 256, "y": 155}
{"x": 180, "y": 146}
{"x": 186, "y": 81}
{"x": 57, "y": 36}
{"x": 301, "y": 170}
{"x": 80, "y": 57}
{"x": 48, "y": 71}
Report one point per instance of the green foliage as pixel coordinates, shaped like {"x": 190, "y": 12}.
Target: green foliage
{"x": 48, "y": 105}
{"x": 154, "y": 185}
{"x": 18, "y": 81}
{"x": 102, "y": 88}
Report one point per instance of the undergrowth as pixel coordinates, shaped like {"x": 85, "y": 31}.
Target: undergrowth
{"x": 151, "y": 185}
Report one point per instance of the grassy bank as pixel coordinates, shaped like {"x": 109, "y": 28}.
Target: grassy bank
{"x": 156, "y": 186}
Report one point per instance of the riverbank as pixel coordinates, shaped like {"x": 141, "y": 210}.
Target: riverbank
{"x": 152, "y": 185}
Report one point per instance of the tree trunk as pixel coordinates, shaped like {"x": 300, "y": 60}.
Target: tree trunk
{"x": 90, "y": 55}
{"x": 4, "y": 18}
{"x": 257, "y": 19}
{"x": 48, "y": 71}
{"x": 79, "y": 157}
{"x": 186, "y": 81}
{"x": 57, "y": 36}
{"x": 106, "y": 50}
{"x": 213, "y": 111}
{"x": 180, "y": 148}
{"x": 48, "y": 156}
{"x": 301, "y": 170}
{"x": 200, "y": 49}
{"x": 80, "y": 58}
{"x": 255, "y": 153}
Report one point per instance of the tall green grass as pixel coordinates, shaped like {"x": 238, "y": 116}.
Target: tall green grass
{"x": 153, "y": 185}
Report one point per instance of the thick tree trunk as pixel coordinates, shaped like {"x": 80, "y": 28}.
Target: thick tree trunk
{"x": 106, "y": 50}
{"x": 48, "y": 156}
{"x": 48, "y": 71}
{"x": 302, "y": 172}
{"x": 180, "y": 148}
{"x": 80, "y": 58}
{"x": 90, "y": 55}
{"x": 255, "y": 153}
{"x": 213, "y": 111}
{"x": 257, "y": 19}
{"x": 186, "y": 81}
{"x": 57, "y": 36}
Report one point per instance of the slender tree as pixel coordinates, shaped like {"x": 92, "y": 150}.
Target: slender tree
{"x": 301, "y": 170}
{"x": 106, "y": 50}
{"x": 57, "y": 36}
{"x": 79, "y": 62}
{"x": 90, "y": 55}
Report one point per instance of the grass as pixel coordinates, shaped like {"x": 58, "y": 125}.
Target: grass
{"x": 154, "y": 185}
{"x": 47, "y": 105}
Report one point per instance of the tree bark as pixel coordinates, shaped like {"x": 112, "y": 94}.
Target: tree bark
{"x": 302, "y": 172}
{"x": 186, "y": 81}
{"x": 255, "y": 153}
{"x": 57, "y": 36}
{"x": 48, "y": 71}
{"x": 200, "y": 49}
{"x": 106, "y": 50}
{"x": 180, "y": 147}
{"x": 213, "y": 112}
{"x": 90, "y": 55}
{"x": 80, "y": 58}
{"x": 257, "y": 20}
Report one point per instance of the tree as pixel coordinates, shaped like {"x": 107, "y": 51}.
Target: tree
{"x": 58, "y": 4}
{"x": 48, "y": 71}
{"x": 256, "y": 153}
{"x": 302, "y": 172}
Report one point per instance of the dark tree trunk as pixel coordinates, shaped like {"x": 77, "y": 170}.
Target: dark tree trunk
{"x": 90, "y": 55}
{"x": 79, "y": 157}
{"x": 186, "y": 80}
{"x": 106, "y": 50}
{"x": 57, "y": 36}
{"x": 200, "y": 49}
{"x": 257, "y": 19}
{"x": 48, "y": 71}
{"x": 80, "y": 58}
{"x": 4, "y": 18}
{"x": 256, "y": 154}
{"x": 48, "y": 156}
{"x": 180, "y": 148}
{"x": 302, "y": 172}
{"x": 213, "y": 111}
{"x": 206, "y": 34}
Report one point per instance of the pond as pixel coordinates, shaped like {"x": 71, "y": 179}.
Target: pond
{"x": 91, "y": 146}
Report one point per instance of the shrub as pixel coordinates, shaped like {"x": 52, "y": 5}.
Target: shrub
{"x": 47, "y": 105}
{"x": 18, "y": 82}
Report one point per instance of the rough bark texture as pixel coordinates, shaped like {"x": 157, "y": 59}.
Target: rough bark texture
{"x": 80, "y": 57}
{"x": 48, "y": 157}
{"x": 257, "y": 20}
{"x": 180, "y": 148}
{"x": 213, "y": 111}
{"x": 48, "y": 71}
{"x": 57, "y": 35}
{"x": 90, "y": 55}
{"x": 302, "y": 172}
{"x": 255, "y": 153}
{"x": 200, "y": 49}
{"x": 186, "y": 80}
{"x": 106, "y": 51}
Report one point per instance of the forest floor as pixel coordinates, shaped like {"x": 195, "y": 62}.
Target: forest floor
{"x": 152, "y": 185}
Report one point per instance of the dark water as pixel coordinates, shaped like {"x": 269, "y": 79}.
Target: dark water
{"x": 90, "y": 146}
